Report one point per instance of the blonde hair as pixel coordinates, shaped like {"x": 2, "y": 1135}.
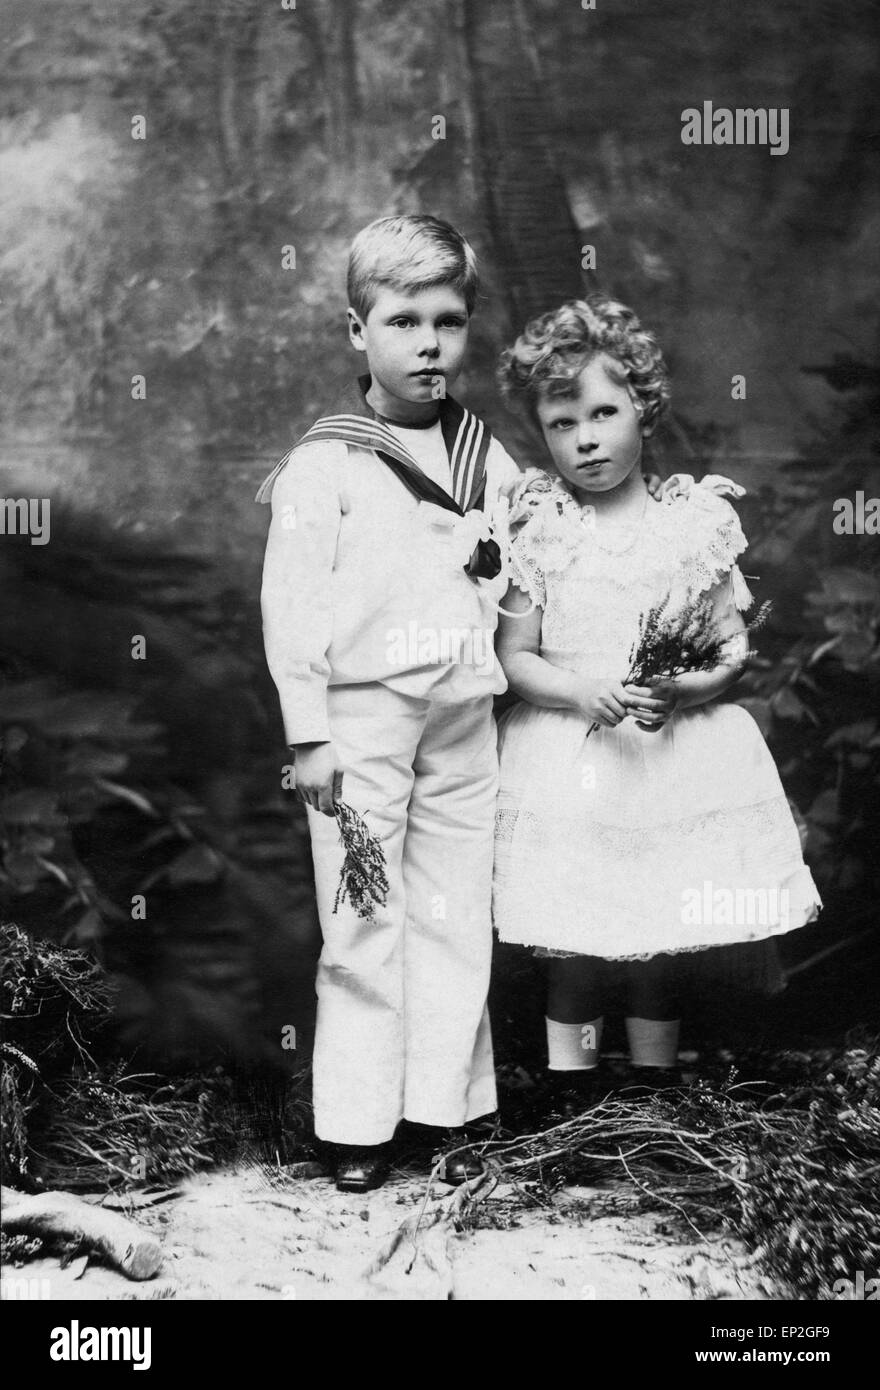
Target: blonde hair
{"x": 553, "y": 350}
{"x": 409, "y": 253}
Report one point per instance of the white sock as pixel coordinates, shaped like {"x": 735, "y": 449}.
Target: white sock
{"x": 653, "y": 1042}
{"x": 573, "y": 1046}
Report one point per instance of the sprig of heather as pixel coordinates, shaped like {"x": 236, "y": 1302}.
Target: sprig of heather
{"x": 364, "y": 876}
{"x": 689, "y": 641}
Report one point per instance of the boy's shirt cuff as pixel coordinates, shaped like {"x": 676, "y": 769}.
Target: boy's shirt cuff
{"x": 304, "y": 708}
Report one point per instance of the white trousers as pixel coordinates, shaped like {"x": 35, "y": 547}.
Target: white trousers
{"x": 403, "y": 1029}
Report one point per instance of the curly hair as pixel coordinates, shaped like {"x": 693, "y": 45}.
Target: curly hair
{"x": 554, "y": 348}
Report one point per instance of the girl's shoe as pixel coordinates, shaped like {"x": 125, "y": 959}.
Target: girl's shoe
{"x": 573, "y": 1092}
{"x": 647, "y": 1081}
{"x": 360, "y": 1168}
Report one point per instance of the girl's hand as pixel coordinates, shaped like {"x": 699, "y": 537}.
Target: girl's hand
{"x": 652, "y": 705}
{"x": 602, "y": 702}
{"x": 654, "y": 484}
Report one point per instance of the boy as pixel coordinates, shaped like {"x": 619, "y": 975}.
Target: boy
{"x": 379, "y": 596}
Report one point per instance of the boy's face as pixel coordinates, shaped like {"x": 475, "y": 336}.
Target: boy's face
{"x": 594, "y": 435}
{"x": 415, "y": 344}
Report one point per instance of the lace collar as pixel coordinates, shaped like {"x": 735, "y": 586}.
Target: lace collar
{"x": 556, "y": 495}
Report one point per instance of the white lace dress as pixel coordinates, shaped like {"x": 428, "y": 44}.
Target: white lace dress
{"x": 627, "y": 843}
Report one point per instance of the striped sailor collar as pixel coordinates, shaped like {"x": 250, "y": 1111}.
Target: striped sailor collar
{"x": 353, "y": 421}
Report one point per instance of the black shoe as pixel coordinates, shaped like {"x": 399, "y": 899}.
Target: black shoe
{"x": 645, "y": 1082}
{"x": 463, "y": 1165}
{"x": 360, "y": 1168}
{"x": 573, "y": 1092}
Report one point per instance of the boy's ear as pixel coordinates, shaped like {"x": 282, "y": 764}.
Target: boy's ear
{"x": 356, "y": 330}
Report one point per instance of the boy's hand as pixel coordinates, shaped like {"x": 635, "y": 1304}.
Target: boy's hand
{"x": 652, "y": 705}
{"x": 318, "y": 776}
{"x": 602, "y": 702}
{"x": 654, "y": 483}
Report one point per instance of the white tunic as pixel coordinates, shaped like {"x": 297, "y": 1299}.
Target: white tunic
{"x": 363, "y": 582}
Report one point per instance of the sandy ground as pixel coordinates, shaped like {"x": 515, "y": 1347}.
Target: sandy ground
{"x": 244, "y": 1233}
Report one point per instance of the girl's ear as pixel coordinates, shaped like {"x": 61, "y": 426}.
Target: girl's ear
{"x": 646, "y": 430}
{"x": 356, "y": 330}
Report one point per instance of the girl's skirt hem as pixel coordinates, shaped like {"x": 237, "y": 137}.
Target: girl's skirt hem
{"x": 793, "y": 905}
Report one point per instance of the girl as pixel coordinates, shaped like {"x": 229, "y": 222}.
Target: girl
{"x": 634, "y": 822}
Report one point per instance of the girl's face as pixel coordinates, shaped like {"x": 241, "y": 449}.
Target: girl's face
{"x": 595, "y": 434}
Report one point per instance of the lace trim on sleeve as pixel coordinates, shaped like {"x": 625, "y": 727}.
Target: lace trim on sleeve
{"x": 526, "y": 569}
{"x": 712, "y": 539}
{"x": 526, "y": 572}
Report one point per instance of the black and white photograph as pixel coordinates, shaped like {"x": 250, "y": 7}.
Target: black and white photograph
{"x": 440, "y": 664}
